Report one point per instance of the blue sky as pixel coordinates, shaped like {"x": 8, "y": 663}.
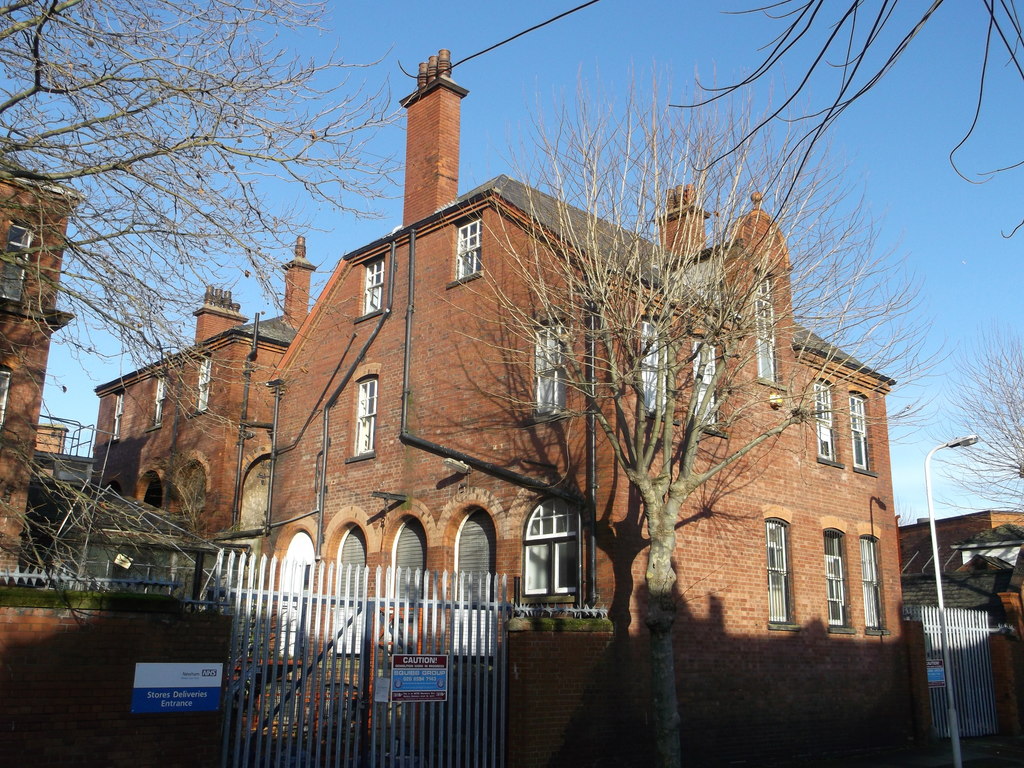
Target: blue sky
{"x": 896, "y": 141}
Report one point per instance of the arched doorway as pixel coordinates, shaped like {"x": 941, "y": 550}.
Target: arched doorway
{"x": 152, "y": 489}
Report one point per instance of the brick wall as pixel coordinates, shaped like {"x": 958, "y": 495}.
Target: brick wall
{"x": 67, "y": 666}
{"x": 576, "y": 696}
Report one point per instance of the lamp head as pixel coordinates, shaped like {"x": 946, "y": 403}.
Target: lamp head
{"x": 962, "y": 442}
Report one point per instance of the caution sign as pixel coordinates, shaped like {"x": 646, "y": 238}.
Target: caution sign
{"x": 419, "y": 677}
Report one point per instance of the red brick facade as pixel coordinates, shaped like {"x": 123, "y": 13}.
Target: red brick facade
{"x": 201, "y": 451}
{"x": 28, "y": 318}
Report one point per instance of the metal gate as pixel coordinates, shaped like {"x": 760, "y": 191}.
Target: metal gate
{"x": 972, "y": 669}
{"x": 308, "y": 683}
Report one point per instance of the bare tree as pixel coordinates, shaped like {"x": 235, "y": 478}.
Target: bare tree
{"x": 173, "y": 122}
{"x": 844, "y": 49}
{"x": 692, "y": 351}
{"x": 988, "y": 400}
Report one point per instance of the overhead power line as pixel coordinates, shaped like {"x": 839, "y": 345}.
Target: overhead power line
{"x": 526, "y": 32}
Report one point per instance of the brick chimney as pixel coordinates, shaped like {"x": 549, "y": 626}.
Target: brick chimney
{"x": 297, "y": 274}
{"x": 432, "y": 139}
{"x": 217, "y": 314}
{"x": 682, "y": 231}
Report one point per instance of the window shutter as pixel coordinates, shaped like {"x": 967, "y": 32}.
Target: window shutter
{"x": 353, "y": 549}
{"x": 476, "y": 544}
{"x": 411, "y": 550}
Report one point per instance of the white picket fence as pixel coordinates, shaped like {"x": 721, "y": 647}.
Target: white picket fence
{"x": 312, "y": 649}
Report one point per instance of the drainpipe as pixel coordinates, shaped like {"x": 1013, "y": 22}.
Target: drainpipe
{"x": 591, "y": 470}
{"x": 243, "y": 419}
{"x": 321, "y": 491}
{"x": 277, "y": 385}
{"x": 423, "y": 444}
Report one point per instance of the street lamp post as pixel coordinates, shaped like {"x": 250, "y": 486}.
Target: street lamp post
{"x": 954, "y": 725}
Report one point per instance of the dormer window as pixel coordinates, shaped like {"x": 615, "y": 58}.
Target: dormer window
{"x": 19, "y": 240}
{"x": 467, "y": 252}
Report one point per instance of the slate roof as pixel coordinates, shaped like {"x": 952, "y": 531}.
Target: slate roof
{"x": 273, "y": 329}
{"x": 977, "y": 589}
{"x": 1006, "y": 533}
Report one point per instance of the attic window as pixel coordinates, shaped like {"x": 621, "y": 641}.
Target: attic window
{"x": 467, "y": 251}
{"x": 373, "y": 288}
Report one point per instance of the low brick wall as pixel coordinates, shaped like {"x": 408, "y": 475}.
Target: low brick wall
{"x": 576, "y": 695}
{"x": 67, "y": 667}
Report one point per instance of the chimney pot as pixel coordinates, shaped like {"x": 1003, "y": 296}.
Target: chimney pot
{"x": 421, "y": 76}
{"x": 218, "y": 313}
{"x": 431, "y": 68}
{"x": 444, "y": 62}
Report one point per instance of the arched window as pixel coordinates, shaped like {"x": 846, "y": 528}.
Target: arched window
{"x": 153, "y": 493}
{"x": 474, "y": 553}
{"x": 410, "y": 554}
{"x": 551, "y": 550}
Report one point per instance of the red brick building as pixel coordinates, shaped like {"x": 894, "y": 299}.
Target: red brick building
{"x": 191, "y": 433}
{"x": 401, "y": 440}
{"x": 33, "y": 225}
{"x": 396, "y": 435}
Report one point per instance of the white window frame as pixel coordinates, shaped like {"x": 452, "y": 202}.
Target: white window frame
{"x": 824, "y": 421}
{"x": 549, "y": 369}
{"x": 467, "y": 250}
{"x": 871, "y": 583}
{"x": 764, "y": 321}
{"x": 159, "y": 398}
{"x": 115, "y": 431}
{"x": 835, "y": 578}
{"x": 373, "y": 286}
{"x": 859, "y": 431}
{"x": 5, "y": 390}
{"x": 780, "y": 609}
{"x": 366, "y": 415}
{"x": 203, "y": 380}
{"x": 12, "y": 278}
{"x": 653, "y": 374}
{"x": 705, "y": 365}
{"x": 551, "y": 550}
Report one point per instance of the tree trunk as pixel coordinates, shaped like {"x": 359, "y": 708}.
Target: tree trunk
{"x": 661, "y": 616}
